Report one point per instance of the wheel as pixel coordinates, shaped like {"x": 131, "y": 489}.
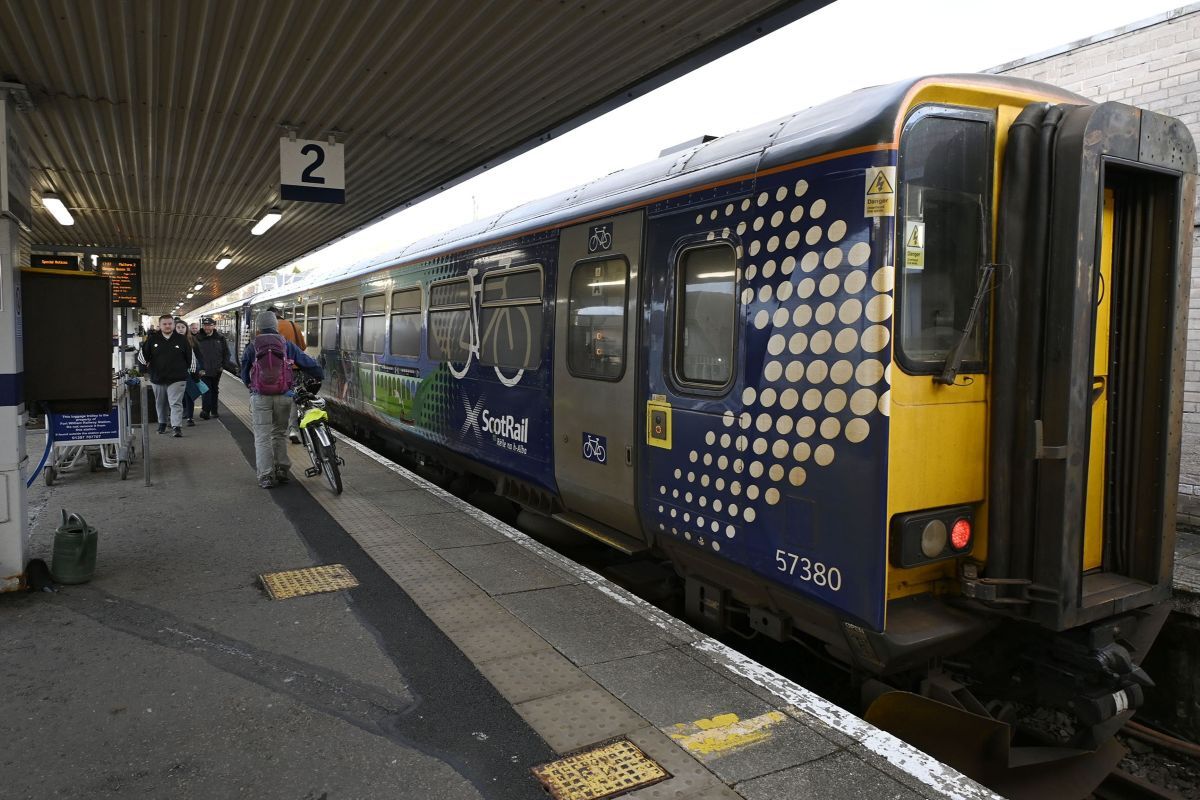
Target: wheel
{"x": 329, "y": 465}
{"x": 123, "y": 469}
{"x": 49, "y": 473}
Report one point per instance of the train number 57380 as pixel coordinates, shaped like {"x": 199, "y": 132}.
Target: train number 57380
{"x": 807, "y": 570}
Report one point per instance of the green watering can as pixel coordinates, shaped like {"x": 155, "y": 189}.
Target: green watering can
{"x": 74, "y": 558}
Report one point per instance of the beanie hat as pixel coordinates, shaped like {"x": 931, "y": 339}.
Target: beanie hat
{"x": 266, "y": 321}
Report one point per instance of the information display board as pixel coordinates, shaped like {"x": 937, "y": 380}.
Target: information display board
{"x": 126, "y": 277}
{"x": 70, "y": 263}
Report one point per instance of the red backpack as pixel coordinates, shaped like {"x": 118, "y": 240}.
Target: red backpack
{"x": 271, "y": 372}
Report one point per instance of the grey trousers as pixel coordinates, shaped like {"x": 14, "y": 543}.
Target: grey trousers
{"x": 269, "y": 416}
{"x": 168, "y": 401}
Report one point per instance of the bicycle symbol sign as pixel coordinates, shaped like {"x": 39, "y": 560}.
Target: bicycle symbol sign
{"x": 595, "y": 448}
{"x": 599, "y": 237}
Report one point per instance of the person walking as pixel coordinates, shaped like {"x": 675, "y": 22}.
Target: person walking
{"x": 169, "y": 359}
{"x": 191, "y": 391}
{"x": 214, "y": 352}
{"x": 290, "y": 331}
{"x": 267, "y": 371}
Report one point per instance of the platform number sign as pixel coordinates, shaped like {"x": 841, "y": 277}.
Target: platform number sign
{"x": 600, "y": 238}
{"x": 595, "y": 448}
{"x": 312, "y": 171}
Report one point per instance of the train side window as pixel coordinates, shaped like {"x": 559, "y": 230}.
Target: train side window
{"x": 406, "y": 322}
{"x": 596, "y": 319}
{"x": 450, "y": 320}
{"x": 349, "y": 315}
{"x": 945, "y": 208}
{"x": 510, "y": 318}
{"x": 329, "y": 326}
{"x": 312, "y": 328}
{"x": 705, "y": 315}
{"x": 374, "y": 324}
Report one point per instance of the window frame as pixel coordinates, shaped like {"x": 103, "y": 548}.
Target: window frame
{"x": 342, "y": 317}
{"x": 674, "y": 352}
{"x": 418, "y": 311}
{"x": 624, "y": 318}
{"x": 981, "y": 366}
{"x": 362, "y": 322}
{"x": 431, "y": 309}
{"x": 539, "y": 301}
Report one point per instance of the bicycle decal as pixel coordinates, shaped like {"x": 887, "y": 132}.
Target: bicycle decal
{"x": 599, "y": 238}
{"x": 595, "y": 448}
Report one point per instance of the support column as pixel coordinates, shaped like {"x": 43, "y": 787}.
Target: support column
{"x": 14, "y": 202}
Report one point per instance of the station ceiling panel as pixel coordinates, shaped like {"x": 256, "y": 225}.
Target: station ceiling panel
{"x": 158, "y": 123}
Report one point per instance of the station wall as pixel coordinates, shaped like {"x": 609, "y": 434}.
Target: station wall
{"x": 1152, "y": 63}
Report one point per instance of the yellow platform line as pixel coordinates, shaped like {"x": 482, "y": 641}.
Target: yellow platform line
{"x": 709, "y": 738}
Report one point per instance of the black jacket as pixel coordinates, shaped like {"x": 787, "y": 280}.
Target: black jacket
{"x": 169, "y": 358}
{"x": 214, "y": 352}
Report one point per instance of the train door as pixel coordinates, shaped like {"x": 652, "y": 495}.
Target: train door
{"x": 596, "y": 377}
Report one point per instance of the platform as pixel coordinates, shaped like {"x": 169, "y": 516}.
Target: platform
{"x": 467, "y": 655}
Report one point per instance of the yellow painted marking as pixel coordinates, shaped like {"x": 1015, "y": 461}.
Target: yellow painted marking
{"x": 600, "y": 772}
{"x": 300, "y": 582}
{"x": 1093, "y": 530}
{"x": 724, "y": 732}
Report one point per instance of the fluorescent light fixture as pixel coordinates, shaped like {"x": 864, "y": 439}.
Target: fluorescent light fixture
{"x": 269, "y": 219}
{"x": 716, "y": 274}
{"x": 57, "y": 209}
{"x": 189, "y": 296}
{"x": 197, "y": 287}
{"x": 223, "y": 262}
{"x": 608, "y": 283}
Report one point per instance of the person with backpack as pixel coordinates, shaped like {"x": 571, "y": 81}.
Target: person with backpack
{"x": 290, "y": 331}
{"x": 267, "y": 371}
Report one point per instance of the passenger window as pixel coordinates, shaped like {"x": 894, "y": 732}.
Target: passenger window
{"x": 329, "y": 326}
{"x": 406, "y": 322}
{"x": 596, "y": 319}
{"x": 705, "y": 315}
{"x": 945, "y": 166}
{"x": 450, "y": 320}
{"x": 510, "y": 319}
{"x": 349, "y": 314}
{"x": 312, "y": 329}
{"x": 374, "y": 323}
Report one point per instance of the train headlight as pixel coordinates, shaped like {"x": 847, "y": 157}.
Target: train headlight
{"x": 923, "y": 537}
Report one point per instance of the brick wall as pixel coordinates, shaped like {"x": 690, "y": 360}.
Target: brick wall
{"x": 1154, "y": 64}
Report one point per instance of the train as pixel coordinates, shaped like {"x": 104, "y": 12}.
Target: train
{"x": 898, "y": 376}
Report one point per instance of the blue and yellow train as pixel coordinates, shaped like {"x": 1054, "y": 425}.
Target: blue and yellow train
{"x": 898, "y": 376}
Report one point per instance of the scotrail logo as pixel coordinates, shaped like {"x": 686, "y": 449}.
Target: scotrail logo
{"x": 507, "y": 431}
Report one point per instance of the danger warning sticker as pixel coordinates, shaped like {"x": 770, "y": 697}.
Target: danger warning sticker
{"x": 880, "y": 200}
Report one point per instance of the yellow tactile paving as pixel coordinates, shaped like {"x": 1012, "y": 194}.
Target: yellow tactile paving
{"x": 311, "y": 580}
{"x": 599, "y": 772}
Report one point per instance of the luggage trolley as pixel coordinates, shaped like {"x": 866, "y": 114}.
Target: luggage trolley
{"x": 103, "y": 439}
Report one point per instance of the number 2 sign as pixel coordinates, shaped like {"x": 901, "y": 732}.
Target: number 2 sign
{"x": 312, "y": 171}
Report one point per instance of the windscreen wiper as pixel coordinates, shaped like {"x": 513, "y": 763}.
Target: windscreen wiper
{"x": 954, "y": 358}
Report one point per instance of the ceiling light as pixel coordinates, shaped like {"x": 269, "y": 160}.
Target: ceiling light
{"x": 57, "y": 208}
{"x": 223, "y": 262}
{"x": 269, "y": 219}
{"x": 189, "y": 296}
{"x": 197, "y": 287}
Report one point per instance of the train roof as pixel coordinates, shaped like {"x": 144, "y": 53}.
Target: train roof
{"x": 861, "y": 119}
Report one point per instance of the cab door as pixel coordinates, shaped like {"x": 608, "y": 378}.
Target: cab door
{"x": 596, "y": 376}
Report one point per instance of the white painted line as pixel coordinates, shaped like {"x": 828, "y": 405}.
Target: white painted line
{"x": 904, "y": 756}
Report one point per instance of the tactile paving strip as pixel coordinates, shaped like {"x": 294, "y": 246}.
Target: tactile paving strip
{"x": 600, "y": 772}
{"x": 313, "y": 580}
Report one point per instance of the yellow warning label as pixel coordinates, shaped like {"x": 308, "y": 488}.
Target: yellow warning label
{"x": 914, "y": 244}
{"x": 880, "y": 199}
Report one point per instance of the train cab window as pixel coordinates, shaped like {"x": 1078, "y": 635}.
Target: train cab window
{"x": 450, "y": 320}
{"x": 510, "y": 318}
{"x": 374, "y": 323}
{"x": 349, "y": 315}
{"x": 705, "y": 313}
{"x": 945, "y": 175}
{"x": 596, "y": 319}
{"x": 406, "y": 322}
{"x": 329, "y": 326}
{"x": 312, "y": 328}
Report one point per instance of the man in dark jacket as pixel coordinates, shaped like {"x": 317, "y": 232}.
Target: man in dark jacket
{"x": 169, "y": 359}
{"x": 269, "y": 412}
{"x": 214, "y": 352}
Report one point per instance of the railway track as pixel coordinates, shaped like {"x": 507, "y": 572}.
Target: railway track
{"x": 1121, "y": 785}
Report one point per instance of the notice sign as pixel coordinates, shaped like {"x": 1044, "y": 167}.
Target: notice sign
{"x": 312, "y": 171}
{"x": 69, "y": 263}
{"x": 880, "y": 199}
{"x": 126, "y": 277}
{"x": 87, "y": 428}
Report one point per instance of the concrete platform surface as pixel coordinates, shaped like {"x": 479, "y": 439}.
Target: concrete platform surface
{"x": 467, "y": 655}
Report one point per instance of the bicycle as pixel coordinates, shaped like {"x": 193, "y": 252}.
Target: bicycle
{"x": 317, "y": 437}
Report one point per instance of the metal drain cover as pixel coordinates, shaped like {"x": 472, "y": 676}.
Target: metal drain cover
{"x": 313, "y": 580}
{"x": 599, "y": 772}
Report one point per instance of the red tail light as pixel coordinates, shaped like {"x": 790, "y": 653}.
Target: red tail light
{"x": 960, "y": 534}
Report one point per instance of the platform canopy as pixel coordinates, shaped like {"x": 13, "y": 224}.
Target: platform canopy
{"x": 157, "y": 123}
